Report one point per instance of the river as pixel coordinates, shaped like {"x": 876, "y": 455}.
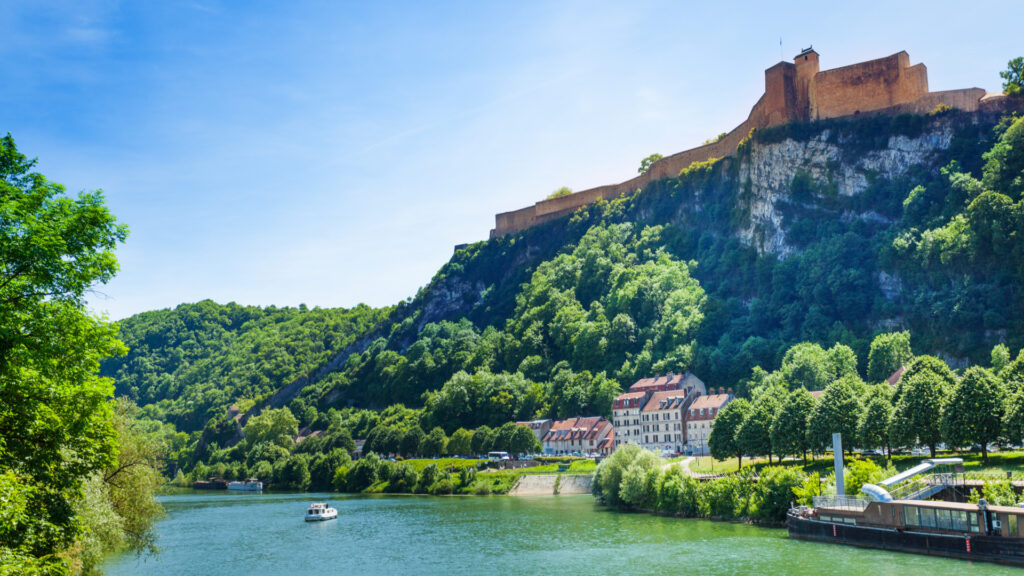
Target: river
{"x": 224, "y": 534}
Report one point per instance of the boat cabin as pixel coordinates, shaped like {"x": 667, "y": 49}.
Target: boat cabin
{"x": 926, "y": 516}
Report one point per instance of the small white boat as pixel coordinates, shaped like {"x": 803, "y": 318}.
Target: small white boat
{"x": 250, "y": 485}
{"x": 320, "y": 511}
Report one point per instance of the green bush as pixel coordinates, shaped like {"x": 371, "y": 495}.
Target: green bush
{"x": 775, "y": 491}
{"x": 441, "y": 487}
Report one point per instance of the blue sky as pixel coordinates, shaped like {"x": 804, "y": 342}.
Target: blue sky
{"x": 331, "y": 153}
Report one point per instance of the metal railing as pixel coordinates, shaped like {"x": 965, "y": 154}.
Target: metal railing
{"x": 841, "y": 503}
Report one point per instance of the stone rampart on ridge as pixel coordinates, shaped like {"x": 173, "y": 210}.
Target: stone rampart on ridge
{"x": 794, "y": 92}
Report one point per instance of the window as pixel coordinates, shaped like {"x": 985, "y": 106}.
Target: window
{"x": 1011, "y": 525}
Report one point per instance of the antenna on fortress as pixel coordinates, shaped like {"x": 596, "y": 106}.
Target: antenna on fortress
{"x": 781, "y": 57}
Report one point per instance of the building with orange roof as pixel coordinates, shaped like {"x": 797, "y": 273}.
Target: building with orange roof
{"x": 582, "y": 435}
{"x": 627, "y": 409}
{"x": 663, "y": 420}
{"x": 700, "y": 419}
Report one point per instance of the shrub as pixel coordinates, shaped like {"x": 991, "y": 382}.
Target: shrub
{"x": 427, "y": 478}
{"x": 442, "y": 486}
{"x": 402, "y": 478}
{"x": 670, "y": 490}
{"x": 482, "y": 488}
{"x": 775, "y": 491}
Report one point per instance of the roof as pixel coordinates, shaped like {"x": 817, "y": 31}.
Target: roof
{"x": 534, "y": 423}
{"x": 816, "y": 393}
{"x": 958, "y": 506}
{"x": 892, "y": 380}
{"x": 576, "y": 429}
{"x": 807, "y": 50}
{"x": 629, "y": 395}
{"x": 675, "y": 380}
{"x": 665, "y": 400}
{"x": 712, "y": 401}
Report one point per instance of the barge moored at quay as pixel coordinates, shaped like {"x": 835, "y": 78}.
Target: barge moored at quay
{"x": 897, "y": 515}
{"x": 951, "y": 529}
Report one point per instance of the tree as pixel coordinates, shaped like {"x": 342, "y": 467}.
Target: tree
{"x": 411, "y": 441}
{"x": 1013, "y": 422}
{"x": 974, "y": 413}
{"x": 362, "y": 475}
{"x": 434, "y": 443}
{"x": 789, "y": 430}
{"x": 481, "y": 441}
{"x": 503, "y": 437}
{"x": 722, "y": 442}
{"x": 753, "y": 437}
{"x": 525, "y": 441}
{"x": 272, "y": 426}
{"x": 838, "y": 410}
{"x": 296, "y": 472}
{"x": 563, "y": 191}
{"x": 923, "y": 395}
{"x": 55, "y": 421}
{"x": 810, "y": 366}
{"x": 460, "y": 443}
{"x": 888, "y": 352}
{"x": 646, "y": 163}
{"x": 1013, "y": 77}
{"x": 1000, "y": 358}
{"x": 876, "y": 422}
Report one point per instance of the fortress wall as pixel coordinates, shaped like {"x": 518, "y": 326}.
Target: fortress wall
{"x": 668, "y": 167}
{"x": 966, "y": 99}
{"x": 793, "y": 92}
{"x": 872, "y": 85}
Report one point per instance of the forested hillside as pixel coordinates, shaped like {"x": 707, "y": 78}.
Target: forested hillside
{"x": 829, "y": 232}
{"x": 189, "y": 364}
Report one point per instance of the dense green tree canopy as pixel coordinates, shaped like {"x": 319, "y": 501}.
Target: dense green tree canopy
{"x": 888, "y": 352}
{"x": 974, "y": 413}
{"x": 56, "y": 425}
{"x": 789, "y": 430}
{"x": 723, "y": 442}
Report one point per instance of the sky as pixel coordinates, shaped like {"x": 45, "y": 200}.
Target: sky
{"x": 333, "y": 153}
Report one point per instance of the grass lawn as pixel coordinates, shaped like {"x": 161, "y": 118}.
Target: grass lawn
{"x": 577, "y": 467}
{"x": 998, "y": 465}
{"x": 418, "y": 464}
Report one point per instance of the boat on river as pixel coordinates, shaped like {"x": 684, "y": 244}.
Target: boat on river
{"x": 896, "y": 515}
{"x": 250, "y": 485}
{"x": 953, "y": 529}
{"x": 319, "y": 511}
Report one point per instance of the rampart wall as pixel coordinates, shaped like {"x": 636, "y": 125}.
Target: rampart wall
{"x": 793, "y": 92}
{"x": 872, "y": 85}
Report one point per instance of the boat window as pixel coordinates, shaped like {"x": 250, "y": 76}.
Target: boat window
{"x": 927, "y": 517}
{"x": 911, "y": 516}
{"x": 1011, "y": 522}
{"x": 973, "y": 519}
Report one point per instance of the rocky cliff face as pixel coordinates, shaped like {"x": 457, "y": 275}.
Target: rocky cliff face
{"x": 769, "y": 170}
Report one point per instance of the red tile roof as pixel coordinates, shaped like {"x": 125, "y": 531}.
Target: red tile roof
{"x": 712, "y": 401}
{"x": 576, "y": 429}
{"x": 892, "y": 380}
{"x": 665, "y": 400}
{"x": 817, "y": 393}
{"x": 659, "y": 382}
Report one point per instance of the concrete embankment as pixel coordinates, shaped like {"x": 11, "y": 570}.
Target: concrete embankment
{"x": 551, "y": 484}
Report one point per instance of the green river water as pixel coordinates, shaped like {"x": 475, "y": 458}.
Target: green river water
{"x": 217, "y": 533}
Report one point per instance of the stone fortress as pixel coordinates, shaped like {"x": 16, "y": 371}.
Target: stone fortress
{"x": 793, "y": 92}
